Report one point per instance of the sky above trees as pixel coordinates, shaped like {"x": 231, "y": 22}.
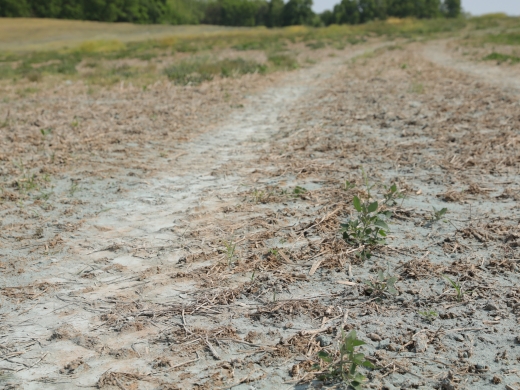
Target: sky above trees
{"x": 475, "y": 7}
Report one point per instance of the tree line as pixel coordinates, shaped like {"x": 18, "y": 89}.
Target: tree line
{"x": 270, "y": 13}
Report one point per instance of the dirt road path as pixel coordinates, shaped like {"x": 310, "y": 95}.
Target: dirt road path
{"x": 227, "y": 269}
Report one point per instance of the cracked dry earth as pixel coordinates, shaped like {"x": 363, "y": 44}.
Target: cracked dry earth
{"x": 224, "y": 266}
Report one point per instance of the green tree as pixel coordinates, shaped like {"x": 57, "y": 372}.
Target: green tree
{"x": 327, "y": 18}
{"x": 212, "y": 14}
{"x": 452, "y": 8}
{"x": 237, "y": 12}
{"x": 262, "y": 12}
{"x": 401, "y": 8}
{"x": 428, "y": 8}
{"x": 371, "y": 9}
{"x": 71, "y": 9}
{"x": 47, "y": 9}
{"x": 275, "y": 13}
{"x": 102, "y": 10}
{"x": 184, "y": 11}
{"x": 14, "y": 8}
{"x": 297, "y": 12}
{"x": 347, "y": 12}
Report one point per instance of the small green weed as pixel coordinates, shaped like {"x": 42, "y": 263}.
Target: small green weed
{"x": 44, "y": 195}
{"x": 345, "y": 368}
{"x": 457, "y": 287}
{"x": 200, "y": 70}
{"x": 368, "y": 229}
{"x": 34, "y": 76}
{"x": 316, "y": 45}
{"x": 428, "y": 315}
{"x": 261, "y": 196}
{"x": 27, "y": 183}
{"x": 437, "y": 215}
{"x": 45, "y": 132}
{"x": 299, "y": 192}
{"x": 512, "y": 38}
{"x": 283, "y": 61}
{"x": 252, "y": 45}
{"x": 500, "y": 58}
{"x": 417, "y": 88}
{"x": 230, "y": 251}
{"x": 348, "y": 185}
{"x": 391, "y": 195}
{"x": 73, "y": 188}
{"x": 382, "y": 286}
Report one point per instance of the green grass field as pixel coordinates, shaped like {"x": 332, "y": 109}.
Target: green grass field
{"x": 104, "y": 54}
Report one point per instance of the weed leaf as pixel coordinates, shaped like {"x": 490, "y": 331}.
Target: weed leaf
{"x": 357, "y": 204}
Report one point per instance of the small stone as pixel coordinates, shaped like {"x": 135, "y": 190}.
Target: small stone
{"x": 324, "y": 341}
{"x": 420, "y": 343}
{"x": 517, "y": 339}
{"x": 458, "y": 337}
{"x": 393, "y": 347}
{"x": 491, "y": 306}
{"x": 446, "y": 385}
{"x": 374, "y": 337}
{"x": 383, "y": 344}
{"x": 481, "y": 367}
{"x": 497, "y": 380}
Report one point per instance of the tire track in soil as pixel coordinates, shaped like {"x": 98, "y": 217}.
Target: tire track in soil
{"x": 506, "y": 78}
{"x": 141, "y": 232}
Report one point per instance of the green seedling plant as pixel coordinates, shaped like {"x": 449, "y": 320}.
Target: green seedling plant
{"x": 383, "y": 286}
{"x": 345, "y": 368}
{"x": 368, "y": 229}
{"x": 230, "y": 251}
{"x": 437, "y": 215}
{"x": 261, "y": 196}
{"x": 44, "y": 195}
{"x": 73, "y": 188}
{"x": 428, "y": 315}
{"x": 45, "y": 132}
{"x": 299, "y": 191}
{"x": 457, "y": 287}
{"x": 348, "y": 185}
{"x": 391, "y": 195}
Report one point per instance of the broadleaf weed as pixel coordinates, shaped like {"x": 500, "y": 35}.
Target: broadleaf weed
{"x": 345, "y": 368}
{"x": 382, "y": 286}
{"x": 368, "y": 229}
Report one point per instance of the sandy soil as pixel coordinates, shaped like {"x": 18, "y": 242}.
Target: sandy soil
{"x": 193, "y": 240}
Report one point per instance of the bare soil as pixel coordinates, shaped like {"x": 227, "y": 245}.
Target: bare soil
{"x": 189, "y": 237}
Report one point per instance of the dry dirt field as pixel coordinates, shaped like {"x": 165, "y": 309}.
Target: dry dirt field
{"x": 165, "y": 235}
